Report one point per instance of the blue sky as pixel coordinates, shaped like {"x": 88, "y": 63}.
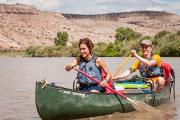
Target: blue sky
{"x": 101, "y": 6}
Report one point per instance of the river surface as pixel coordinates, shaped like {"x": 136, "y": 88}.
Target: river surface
{"x": 17, "y": 87}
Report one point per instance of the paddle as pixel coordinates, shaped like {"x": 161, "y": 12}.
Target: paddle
{"x": 137, "y": 105}
{"x": 125, "y": 97}
{"x": 122, "y": 65}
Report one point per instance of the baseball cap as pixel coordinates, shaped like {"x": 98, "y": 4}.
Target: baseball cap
{"x": 146, "y": 42}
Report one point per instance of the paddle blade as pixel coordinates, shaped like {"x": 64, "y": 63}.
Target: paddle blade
{"x": 143, "y": 107}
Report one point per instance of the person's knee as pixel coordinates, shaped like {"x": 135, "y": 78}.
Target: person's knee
{"x": 94, "y": 91}
{"x": 161, "y": 81}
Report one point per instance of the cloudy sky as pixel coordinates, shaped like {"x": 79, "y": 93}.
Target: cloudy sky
{"x": 101, "y": 6}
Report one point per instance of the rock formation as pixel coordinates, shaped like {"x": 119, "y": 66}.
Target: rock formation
{"x": 22, "y": 26}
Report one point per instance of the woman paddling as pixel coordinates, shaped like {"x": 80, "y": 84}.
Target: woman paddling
{"x": 149, "y": 66}
{"x": 90, "y": 64}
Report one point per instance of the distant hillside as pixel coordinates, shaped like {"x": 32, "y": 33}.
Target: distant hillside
{"x": 116, "y": 16}
{"x": 144, "y": 22}
{"x": 22, "y": 26}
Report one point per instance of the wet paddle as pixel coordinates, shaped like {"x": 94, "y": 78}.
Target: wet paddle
{"x": 137, "y": 105}
{"x": 122, "y": 65}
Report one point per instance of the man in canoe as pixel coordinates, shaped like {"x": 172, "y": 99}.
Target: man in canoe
{"x": 149, "y": 66}
{"x": 91, "y": 64}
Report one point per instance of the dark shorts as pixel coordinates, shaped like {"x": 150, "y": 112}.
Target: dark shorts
{"x": 91, "y": 87}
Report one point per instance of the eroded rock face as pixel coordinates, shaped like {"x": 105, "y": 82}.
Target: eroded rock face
{"x": 18, "y": 9}
{"x": 22, "y": 26}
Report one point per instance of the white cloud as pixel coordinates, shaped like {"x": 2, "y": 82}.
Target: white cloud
{"x": 175, "y": 5}
{"x": 101, "y": 6}
{"x": 154, "y": 9}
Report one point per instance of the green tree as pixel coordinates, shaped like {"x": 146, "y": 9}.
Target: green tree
{"x": 61, "y": 38}
{"x": 123, "y": 34}
{"x": 112, "y": 50}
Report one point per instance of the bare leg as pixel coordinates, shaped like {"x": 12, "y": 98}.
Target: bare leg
{"x": 160, "y": 83}
{"x": 95, "y": 91}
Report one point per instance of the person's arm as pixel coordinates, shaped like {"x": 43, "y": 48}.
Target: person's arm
{"x": 143, "y": 60}
{"x": 123, "y": 75}
{"x": 128, "y": 72}
{"x": 102, "y": 65}
{"x": 70, "y": 66}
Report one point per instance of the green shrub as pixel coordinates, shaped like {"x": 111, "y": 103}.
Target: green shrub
{"x": 145, "y": 37}
{"x": 99, "y": 48}
{"x": 126, "y": 34}
{"x": 73, "y": 50}
{"x": 164, "y": 43}
{"x": 168, "y": 51}
{"x": 61, "y": 39}
{"x": 178, "y": 33}
{"x": 161, "y": 34}
{"x": 112, "y": 50}
{"x": 30, "y": 51}
{"x": 168, "y": 45}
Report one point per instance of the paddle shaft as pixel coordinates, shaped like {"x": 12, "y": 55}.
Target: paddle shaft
{"x": 101, "y": 85}
{"x": 121, "y": 65}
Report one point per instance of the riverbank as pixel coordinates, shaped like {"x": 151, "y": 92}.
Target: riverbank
{"x": 166, "y": 44}
{"x": 13, "y": 54}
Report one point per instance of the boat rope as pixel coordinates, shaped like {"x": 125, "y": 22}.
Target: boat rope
{"x": 75, "y": 86}
{"x": 44, "y": 82}
{"x": 120, "y": 102}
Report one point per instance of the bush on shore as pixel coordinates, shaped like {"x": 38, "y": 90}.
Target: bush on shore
{"x": 165, "y": 43}
{"x": 61, "y": 39}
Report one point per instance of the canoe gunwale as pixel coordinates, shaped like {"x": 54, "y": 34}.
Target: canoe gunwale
{"x": 72, "y": 90}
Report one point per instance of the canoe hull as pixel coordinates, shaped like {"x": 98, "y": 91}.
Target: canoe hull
{"x": 55, "y": 103}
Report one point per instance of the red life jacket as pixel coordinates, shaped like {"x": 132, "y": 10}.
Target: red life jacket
{"x": 109, "y": 84}
{"x": 166, "y": 69}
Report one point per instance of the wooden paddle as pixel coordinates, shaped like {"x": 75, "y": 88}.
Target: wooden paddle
{"x": 137, "y": 105}
{"x": 122, "y": 65}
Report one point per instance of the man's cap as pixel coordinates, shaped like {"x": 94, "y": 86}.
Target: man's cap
{"x": 146, "y": 42}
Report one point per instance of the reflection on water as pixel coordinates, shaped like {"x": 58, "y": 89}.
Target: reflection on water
{"x": 17, "y": 85}
{"x": 167, "y": 111}
{"x": 131, "y": 116}
{"x": 163, "y": 112}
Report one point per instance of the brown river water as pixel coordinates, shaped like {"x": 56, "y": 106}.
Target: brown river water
{"x": 17, "y": 87}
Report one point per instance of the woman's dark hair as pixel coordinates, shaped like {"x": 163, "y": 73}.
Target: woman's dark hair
{"x": 87, "y": 42}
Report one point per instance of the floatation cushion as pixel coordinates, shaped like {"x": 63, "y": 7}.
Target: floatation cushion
{"x": 130, "y": 85}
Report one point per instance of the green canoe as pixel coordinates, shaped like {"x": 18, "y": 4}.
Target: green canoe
{"x": 58, "y": 103}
